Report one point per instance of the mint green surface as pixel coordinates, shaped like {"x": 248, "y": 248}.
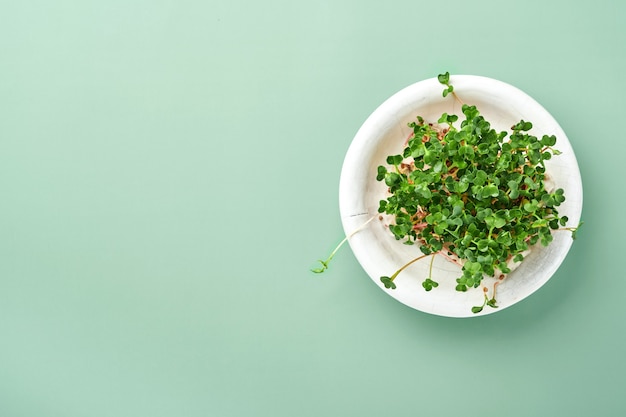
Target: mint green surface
{"x": 169, "y": 174}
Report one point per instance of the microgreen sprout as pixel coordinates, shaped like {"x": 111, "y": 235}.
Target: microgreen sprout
{"x": 324, "y": 263}
{"x": 475, "y": 196}
{"x": 388, "y": 281}
{"x": 428, "y": 283}
{"x": 445, "y": 80}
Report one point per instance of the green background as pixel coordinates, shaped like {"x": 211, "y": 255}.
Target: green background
{"x": 169, "y": 173}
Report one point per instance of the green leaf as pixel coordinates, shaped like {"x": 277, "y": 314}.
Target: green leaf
{"x": 483, "y": 148}
{"x": 472, "y": 267}
{"x": 492, "y": 303}
{"x": 462, "y": 186}
{"x": 388, "y": 282}
{"x": 394, "y": 159}
{"x": 424, "y": 191}
{"x": 548, "y": 140}
{"x": 444, "y": 78}
{"x": 382, "y": 171}
{"x": 490, "y": 221}
{"x": 455, "y": 222}
{"x": 448, "y": 118}
{"x": 523, "y": 126}
{"x": 392, "y": 178}
{"x": 504, "y": 238}
{"x": 477, "y": 309}
{"x": 483, "y": 245}
{"x": 490, "y": 191}
{"x": 441, "y": 227}
{"x": 425, "y": 250}
{"x": 499, "y": 222}
{"x": 429, "y": 284}
{"x": 546, "y": 239}
{"x": 530, "y": 207}
{"x": 480, "y": 177}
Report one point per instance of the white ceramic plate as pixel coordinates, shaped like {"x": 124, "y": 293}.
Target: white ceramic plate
{"x": 384, "y": 133}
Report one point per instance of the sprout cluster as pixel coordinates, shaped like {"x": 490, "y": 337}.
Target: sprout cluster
{"x": 474, "y": 195}
{"x": 471, "y": 194}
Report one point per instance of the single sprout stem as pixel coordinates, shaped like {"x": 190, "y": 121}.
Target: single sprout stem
{"x": 430, "y": 269}
{"x": 403, "y": 267}
{"x": 573, "y": 230}
{"x": 495, "y": 285}
{"x": 457, "y": 98}
{"x": 325, "y": 263}
{"x": 478, "y": 309}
